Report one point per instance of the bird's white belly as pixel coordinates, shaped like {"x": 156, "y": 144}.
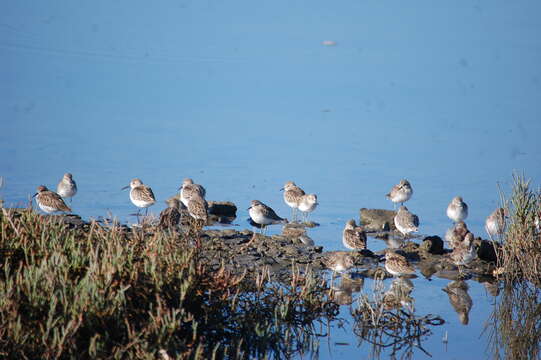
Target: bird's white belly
{"x": 259, "y": 218}
{"x": 67, "y": 192}
{"x": 141, "y": 203}
{"x": 47, "y": 209}
{"x": 401, "y": 196}
{"x": 304, "y": 207}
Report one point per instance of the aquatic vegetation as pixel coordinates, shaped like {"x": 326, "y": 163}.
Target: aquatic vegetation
{"x": 108, "y": 292}
{"x": 515, "y": 326}
{"x": 519, "y": 256}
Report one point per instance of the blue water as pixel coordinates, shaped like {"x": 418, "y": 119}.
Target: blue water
{"x": 243, "y": 96}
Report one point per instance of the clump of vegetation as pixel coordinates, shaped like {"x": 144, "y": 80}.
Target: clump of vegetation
{"x": 519, "y": 256}
{"x": 515, "y": 331}
{"x": 105, "y": 292}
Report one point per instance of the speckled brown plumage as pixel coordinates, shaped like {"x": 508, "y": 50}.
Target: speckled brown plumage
{"x": 352, "y": 237}
{"x": 170, "y": 216}
{"x": 49, "y": 201}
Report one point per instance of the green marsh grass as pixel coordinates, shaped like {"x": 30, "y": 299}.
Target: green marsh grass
{"x": 104, "y": 292}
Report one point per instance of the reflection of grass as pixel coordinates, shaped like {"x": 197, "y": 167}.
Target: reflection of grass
{"x": 387, "y": 326}
{"x": 520, "y": 255}
{"x": 106, "y": 293}
{"x": 516, "y": 322}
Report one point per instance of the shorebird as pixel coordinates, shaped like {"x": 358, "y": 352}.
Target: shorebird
{"x": 400, "y": 193}
{"x": 465, "y": 252}
{"x": 189, "y": 189}
{"x": 457, "y": 209}
{"x": 263, "y": 215}
{"x": 495, "y": 222}
{"x": 456, "y": 234}
{"x": 405, "y": 221}
{"x": 460, "y": 299}
{"x": 307, "y": 204}
{"x": 292, "y": 197}
{"x": 352, "y": 237}
{"x": 339, "y": 261}
{"x": 140, "y": 195}
{"x": 49, "y": 201}
{"x": 198, "y": 208}
{"x": 67, "y": 188}
{"x": 170, "y": 216}
{"x": 397, "y": 265}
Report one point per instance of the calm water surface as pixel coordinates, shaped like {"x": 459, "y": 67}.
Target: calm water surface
{"x": 243, "y": 96}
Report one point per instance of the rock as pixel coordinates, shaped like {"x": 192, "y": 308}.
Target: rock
{"x": 222, "y": 208}
{"x": 432, "y": 244}
{"x": 377, "y": 219}
{"x": 485, "y": 250}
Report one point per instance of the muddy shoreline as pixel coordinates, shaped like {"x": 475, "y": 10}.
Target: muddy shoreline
{"x": 243, "y": 251}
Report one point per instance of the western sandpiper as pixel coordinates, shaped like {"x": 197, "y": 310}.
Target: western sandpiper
{"x": 49, "y": 201}
{"x": 456, "y": 234}
{"x": 307, "y": 204}
{"x": 292, "y": 197}
{"x": 263, "y": 215}
{"x": 352, "y": 237}
{"x": 495, "y": 222}
{"x": 397, "y": 265}
{"x": 405, "y": 221}
{"x": 339, "y": 261}
{"x": 140, "y": 194}
{"x": 198, "y": 208}
{"x": 465, "y": 252}
{"x": 401, "y": 192}
{"x": 189, "y": 189}
{"x": 457, "y": 209}
{"x": 460, "y": 299}
{"x": 170, "y": 216}
{"x": 67, "y": 188}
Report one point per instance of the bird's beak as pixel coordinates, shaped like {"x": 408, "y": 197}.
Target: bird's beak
{"x": 125, "y": 187}
{"x": 180, "y": 188}
{"x": 33, "y": 196}
{"x": 249, "y": 208}
{"x": 282, "y": 189}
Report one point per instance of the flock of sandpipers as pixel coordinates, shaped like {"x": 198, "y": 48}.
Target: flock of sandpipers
{"x": 192, "y": 197}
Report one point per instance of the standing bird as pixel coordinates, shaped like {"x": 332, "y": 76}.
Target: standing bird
{"x": 339, "y": 261}
{"x": 457, "y": 209}
{"x": 189, "y": 189}
{"x": 397, "y": 265}
{"x": 140, "y": 195}
{"x": 405, "y": 221}
{"x": 49, "y": 201}
{"x": 400, "y": 193}
{"x": 459, "y": 299}
{"x": 292, "y": 197}
{"x": 67, "y": 188}
{"x": 456, "y": 234}
{"x": 465, "y": 252}
{"x": 495, "y": 222}
{"x": 170, "y": 216}
{"x": 353, "y": 238}
{"x": 198, "y": 208}
{"x": 308, "y": 204}
{"x": 263, "y": 215}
